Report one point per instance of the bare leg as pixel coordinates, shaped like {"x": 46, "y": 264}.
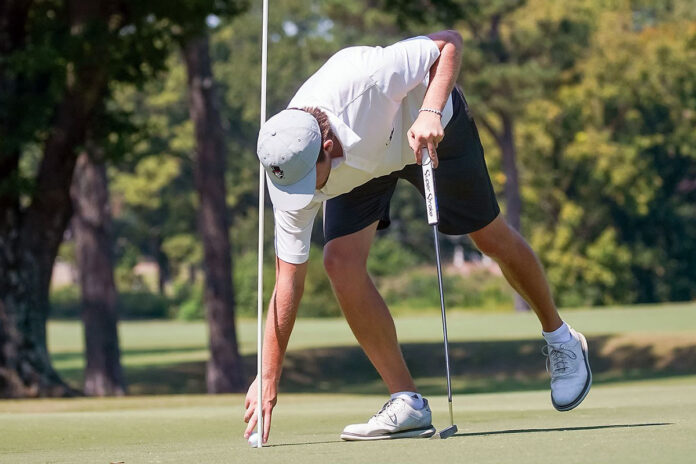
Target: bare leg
{"x": 520, "y": 267}
{"x": 345, "y": 259}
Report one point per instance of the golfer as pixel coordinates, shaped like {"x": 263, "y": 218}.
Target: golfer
{"x": 350, "y": 133}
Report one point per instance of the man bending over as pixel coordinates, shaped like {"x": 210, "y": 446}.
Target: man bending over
{"x": 351, "y": 132}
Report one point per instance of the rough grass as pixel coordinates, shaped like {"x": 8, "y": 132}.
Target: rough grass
{"x": 641, "y": 422}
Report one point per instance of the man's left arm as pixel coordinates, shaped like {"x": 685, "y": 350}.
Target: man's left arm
{"x": 427, "y": 130}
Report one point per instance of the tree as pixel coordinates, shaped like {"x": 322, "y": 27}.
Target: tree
{"x": 59, "y": 59}
{"x": 613, "y": 168}
{"x": 30, "y": 236}
{"x": 93, "y": 244}
{"x": 153, "y": 187}
{"x": 224, "y": 370}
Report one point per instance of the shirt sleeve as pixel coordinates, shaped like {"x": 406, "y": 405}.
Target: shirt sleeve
{"x": 293, "y": 232}
{"x": 405, "y": 65}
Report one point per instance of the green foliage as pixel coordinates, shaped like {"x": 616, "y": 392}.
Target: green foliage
{"x": 65, "y": 304}
{"x": 191, "y": 306}
{"x": 417, "y": 290}
{"x": 245, "y": 282}
{"x": 153, "y": 185}
{"x": 142, "y": 305}
{"x": 604, "y": 102}
{"x": 388, "y": 257}
{"x": 610, "y": 170}
{"x": 131, "y": 40}
{"x": 318, "y": 299}
{"x": 183, "y": 249}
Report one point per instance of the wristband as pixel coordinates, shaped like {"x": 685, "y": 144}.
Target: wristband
{"x": 431, "y": 110}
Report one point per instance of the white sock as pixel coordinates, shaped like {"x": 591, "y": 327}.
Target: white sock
{"x": 560, "y": 335}
{"x": 413, "y": 399}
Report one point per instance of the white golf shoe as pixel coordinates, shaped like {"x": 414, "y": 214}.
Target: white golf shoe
{"x": 571, "y": 377}
{"x": 396, "y": 419}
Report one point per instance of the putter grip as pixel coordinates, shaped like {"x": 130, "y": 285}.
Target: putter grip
{"x": 429, "y": 187}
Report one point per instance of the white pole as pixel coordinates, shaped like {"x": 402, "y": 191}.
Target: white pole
{"x": 262, "y": 194}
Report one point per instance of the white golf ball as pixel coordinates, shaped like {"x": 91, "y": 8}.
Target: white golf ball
{"x": 254, "y": 440}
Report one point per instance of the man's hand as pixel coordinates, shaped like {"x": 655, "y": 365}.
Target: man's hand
{"x": 282, "y": 311}
{"x": 427, "y": 132}
{"x": 270, "y": 397}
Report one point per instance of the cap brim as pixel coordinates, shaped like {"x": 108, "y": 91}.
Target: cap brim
{"x": 295, "y": 196}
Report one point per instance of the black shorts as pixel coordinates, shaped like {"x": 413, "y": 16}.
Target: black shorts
{"x": 465, "y": 197}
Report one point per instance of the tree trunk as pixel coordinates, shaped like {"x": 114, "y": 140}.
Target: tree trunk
{"x": 29, "y": 244}
{"x": 224, "y": 370}
{"x": 29, "y": 238}
{"x": 93, "y": 240}
{"x": 513, "y": 199}
{"x": 163, "y": 271}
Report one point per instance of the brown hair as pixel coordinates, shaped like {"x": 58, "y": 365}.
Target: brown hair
{"x": 324, "y": 126}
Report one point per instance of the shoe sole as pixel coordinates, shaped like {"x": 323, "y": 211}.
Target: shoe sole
{"x": 425, "y": 432}
{"x": 588, "y": 383}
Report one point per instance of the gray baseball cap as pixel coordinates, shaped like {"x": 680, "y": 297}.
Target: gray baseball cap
{"x": 288, "y": 148}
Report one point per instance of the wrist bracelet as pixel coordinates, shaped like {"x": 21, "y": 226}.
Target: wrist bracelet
{"x": 431, "y": 110}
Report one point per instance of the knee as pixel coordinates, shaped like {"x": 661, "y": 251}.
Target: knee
{"x": 490, "y": 247}
{"x": 496, "y": 239}
{"x": 342, "y": 262}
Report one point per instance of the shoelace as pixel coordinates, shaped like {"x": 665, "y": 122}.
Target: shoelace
{"x": 556, "y": 358}
{"x": 388, "y": 407}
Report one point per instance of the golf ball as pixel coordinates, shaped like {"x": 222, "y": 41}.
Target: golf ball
{"x": 254, "y": 440}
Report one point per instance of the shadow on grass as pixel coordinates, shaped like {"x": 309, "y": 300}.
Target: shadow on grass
{"x": 65, "y": 356}
{"x": 505, "y": 432}
{"x": 560, "y": 429}
{"x": 487, "y": 366}
{"x": 280, "y": 445}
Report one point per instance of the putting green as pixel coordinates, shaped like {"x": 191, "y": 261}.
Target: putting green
{"x": 651, "y": 421}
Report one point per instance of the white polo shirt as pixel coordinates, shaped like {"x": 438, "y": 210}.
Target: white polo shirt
{"x": 371, "y": 96}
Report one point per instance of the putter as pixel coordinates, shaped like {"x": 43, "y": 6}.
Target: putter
{"x": 433, "y": 219}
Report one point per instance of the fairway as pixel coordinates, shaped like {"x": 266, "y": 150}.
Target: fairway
{"x": 490, "y": 351}
{"x": 648, "y": 422}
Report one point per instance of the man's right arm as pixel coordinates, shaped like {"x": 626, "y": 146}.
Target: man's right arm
{"x": 280, "y": 321}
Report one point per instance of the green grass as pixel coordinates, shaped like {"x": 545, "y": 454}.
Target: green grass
{"x": 148, "y": 342}
{"x": 640, "y": 422}
{"x": 501, "y": 403}
{"x": 169, "y": 356}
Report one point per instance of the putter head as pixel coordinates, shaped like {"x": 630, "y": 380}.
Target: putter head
{"x": 445, "y": 433}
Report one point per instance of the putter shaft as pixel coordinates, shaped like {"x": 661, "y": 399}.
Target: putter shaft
{"x": 444, "y": 323}
{"x": 433, "y": 219}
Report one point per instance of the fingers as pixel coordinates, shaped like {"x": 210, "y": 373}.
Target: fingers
{"x": 419, "y": 155}
{"x": 252, "y": 419}
{"x": 425, "y": 148}
{"x": 266, "y": 423}
{"x": 252, "y": 423}
{"x": 250, "y": 416}
{"x": 422, "y": 142}
{"x": 249, "y": 411}
{"x": 433, "y": 154}
{"x": 415, "y": 146}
